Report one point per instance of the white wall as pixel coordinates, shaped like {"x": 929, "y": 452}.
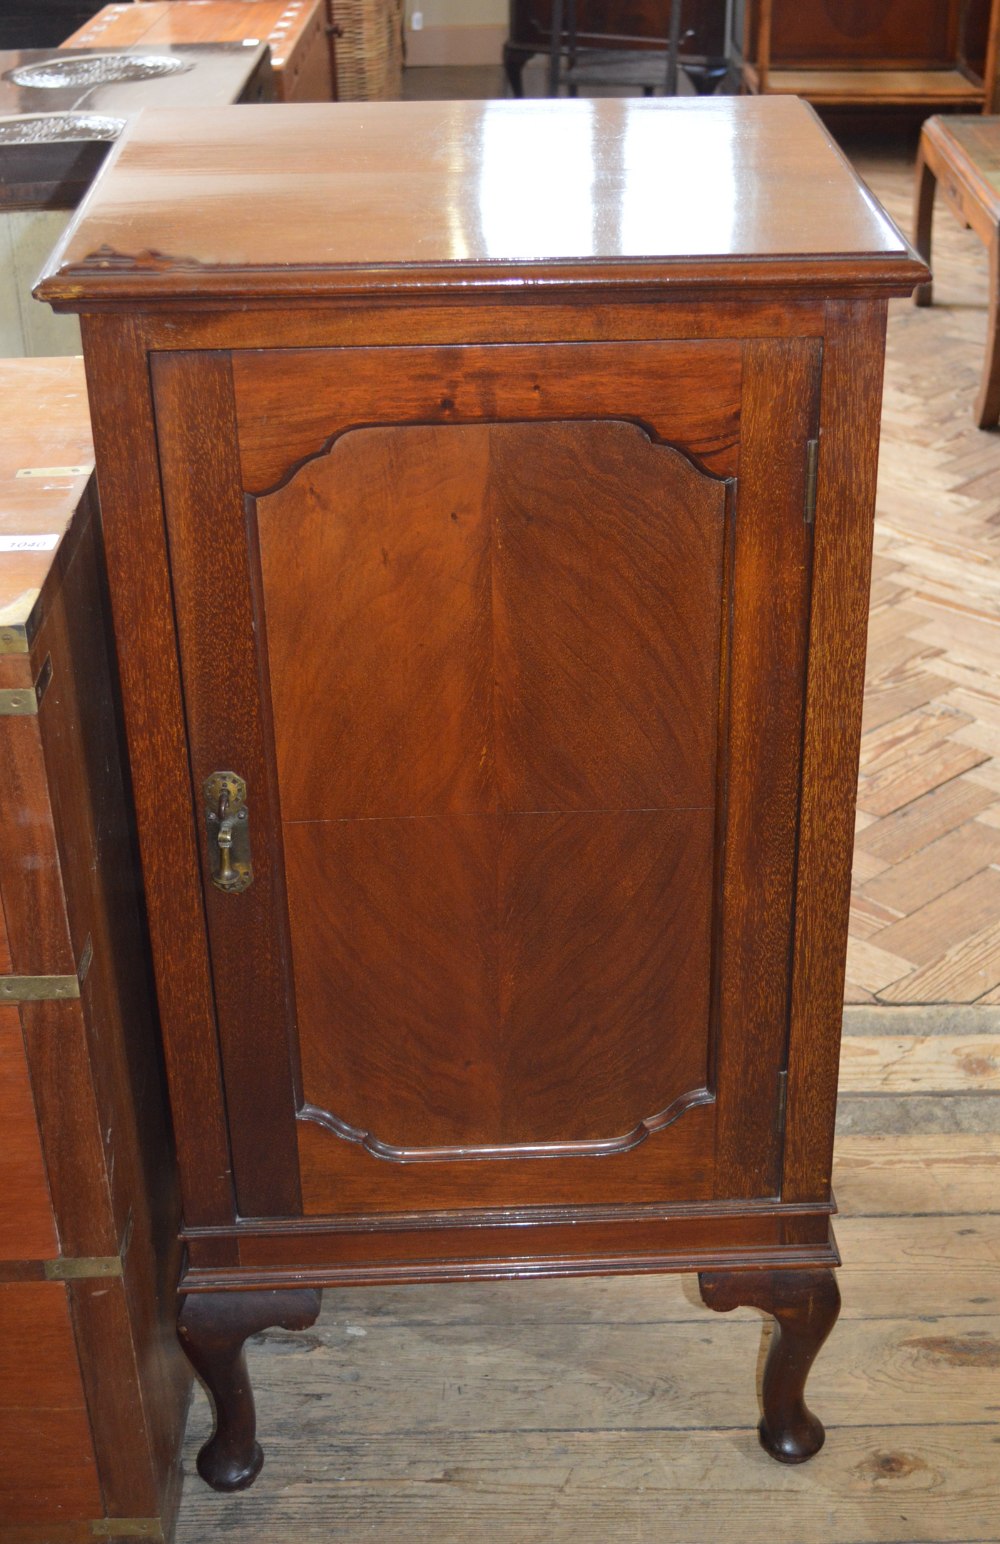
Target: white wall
{"x": 460, "y": 13}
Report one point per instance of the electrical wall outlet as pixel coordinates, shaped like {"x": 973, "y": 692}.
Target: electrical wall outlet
{"x": 416, "y": 21}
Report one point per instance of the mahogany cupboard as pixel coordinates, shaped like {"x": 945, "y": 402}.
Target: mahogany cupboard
{"x": 491, "y": 580}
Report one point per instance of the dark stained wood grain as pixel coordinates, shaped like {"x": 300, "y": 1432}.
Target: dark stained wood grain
{"x": 805, "y": 1305}
{"x": 398, "y": 323}
{"x": 523, "y": 695}
{"x": 226, "y": 702}
{"x": 506, "y": 612}
{"x": 770, "y": 619}
{"x": 883, "y": 32}
{"x": 632, "y": 23}
{"x": 422, "y": 1007}
{"x": 212, "y": 1328}
{"x": 845, "y": 510}
{"x": 143, "y": 615}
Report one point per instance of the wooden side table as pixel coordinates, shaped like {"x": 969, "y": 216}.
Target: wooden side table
{"x": 961, "y": 157}
{"x": 492, "y": 588}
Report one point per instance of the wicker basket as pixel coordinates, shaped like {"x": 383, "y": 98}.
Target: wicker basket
{"x": 369, "y": 49}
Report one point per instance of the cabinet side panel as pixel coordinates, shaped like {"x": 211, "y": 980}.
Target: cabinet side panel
{"x": 845, "y": 508}
{"x": 770, "y": 623}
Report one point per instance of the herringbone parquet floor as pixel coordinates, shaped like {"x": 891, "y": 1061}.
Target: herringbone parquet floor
{"x": 925, "y": 923}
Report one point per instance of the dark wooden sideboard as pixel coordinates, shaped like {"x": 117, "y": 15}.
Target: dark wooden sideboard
{"x": 491, "y": 586}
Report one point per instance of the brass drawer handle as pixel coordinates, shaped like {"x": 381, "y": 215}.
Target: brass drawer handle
{"x": 228, "y": 823}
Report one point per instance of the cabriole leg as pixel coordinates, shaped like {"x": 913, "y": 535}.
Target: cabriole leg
{"x": 805, "y": 1305}
{"x": 212, "y": 1327}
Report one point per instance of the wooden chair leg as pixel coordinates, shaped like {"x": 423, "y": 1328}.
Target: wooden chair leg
{"x": 988, "y": 401}
{"x": 923, "y": 214}
{"x": 212, "y": 1327}
{"x": 805, "y": 1305}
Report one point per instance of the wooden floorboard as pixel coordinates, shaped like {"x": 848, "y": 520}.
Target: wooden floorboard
{"x": 930, "y": 761}
{"x": 620, "y": 1411}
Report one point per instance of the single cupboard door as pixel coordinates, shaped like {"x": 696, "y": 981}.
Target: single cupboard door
{"x": 475, "y": 675}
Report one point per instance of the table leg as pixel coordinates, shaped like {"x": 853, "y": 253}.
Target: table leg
{"x": 923, "y": 212}
{"x": 988, "y": 401}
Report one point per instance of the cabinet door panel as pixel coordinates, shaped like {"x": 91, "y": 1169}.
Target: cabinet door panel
{"x": 475, "y": 658}
{"x": 505, "y": 642}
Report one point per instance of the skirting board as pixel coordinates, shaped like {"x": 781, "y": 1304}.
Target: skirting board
{"x": 455, "y": 45}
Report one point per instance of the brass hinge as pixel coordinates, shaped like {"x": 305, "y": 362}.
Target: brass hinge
{"x": 40, "y": 989}
{"x": 812, "y": 474}
{"x": 93, "y": 1267}
{"x": 23, "y": 701}
{"x": 779, "y": 1117}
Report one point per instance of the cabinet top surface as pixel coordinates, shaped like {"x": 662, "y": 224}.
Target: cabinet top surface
{"x": 316, "y": 199}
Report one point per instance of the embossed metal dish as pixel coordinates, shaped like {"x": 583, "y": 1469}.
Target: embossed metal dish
{"x": 95, "y": 70}
{"x": 57, "y": 128}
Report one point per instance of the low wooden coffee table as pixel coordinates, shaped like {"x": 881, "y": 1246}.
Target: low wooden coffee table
{"x": 962, "y": 156}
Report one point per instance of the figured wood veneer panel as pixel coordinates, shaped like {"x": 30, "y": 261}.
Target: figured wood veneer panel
{"x": 377, "y": 585}
{"x": 498, "y": 777}
{"x": 514, "y": 616}
{"x": 607, "y": 620}
{"x": 489, "y": 980}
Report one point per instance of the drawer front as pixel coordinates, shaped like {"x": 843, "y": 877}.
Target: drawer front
{"x": 526, "y": 632}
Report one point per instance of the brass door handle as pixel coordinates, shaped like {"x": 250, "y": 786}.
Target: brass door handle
{"x": 228, "y": 823}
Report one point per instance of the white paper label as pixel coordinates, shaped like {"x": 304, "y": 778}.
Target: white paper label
{"x": 29, "y": 543}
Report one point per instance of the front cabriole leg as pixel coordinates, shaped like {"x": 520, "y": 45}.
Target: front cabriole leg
{"x": 805, "y": 1305}
{"x": 212, "y": 1327}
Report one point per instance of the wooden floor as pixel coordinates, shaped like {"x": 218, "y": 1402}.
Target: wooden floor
{"x": 925, "y": 924}
{"x": 621, "y": 1411}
